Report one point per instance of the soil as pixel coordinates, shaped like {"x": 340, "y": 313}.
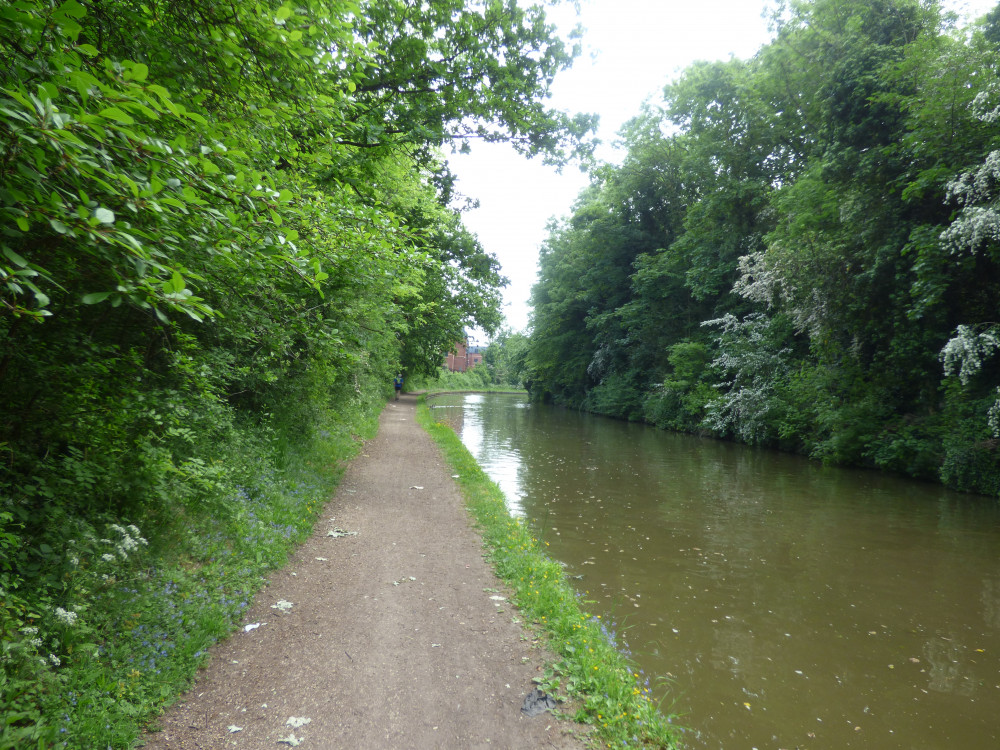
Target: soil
{"x": 395, "y": 637}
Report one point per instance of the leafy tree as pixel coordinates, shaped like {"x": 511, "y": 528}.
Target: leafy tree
{"x": 222, "y": 228}
{"x": 506, "y": 358}
{"x": 830, "y": 205}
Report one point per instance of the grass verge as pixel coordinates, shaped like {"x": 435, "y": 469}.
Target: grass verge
{"x": 614, "y": 697}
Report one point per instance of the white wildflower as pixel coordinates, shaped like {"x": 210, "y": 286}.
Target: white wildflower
{"x": 74, "y": 561}
{"x": 108, "y": 557}
{"x": 67, "y": 617}
{"x": 55, "y": 660}
{"x": 32, "y": 632}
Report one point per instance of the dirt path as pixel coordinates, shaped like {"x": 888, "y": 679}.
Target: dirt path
{"x": 392, "y": 639}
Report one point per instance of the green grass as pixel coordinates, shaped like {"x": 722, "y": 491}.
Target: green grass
{"x": 611, "y": 693}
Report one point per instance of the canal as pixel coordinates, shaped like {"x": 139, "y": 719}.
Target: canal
{"x": 772, "y": 602}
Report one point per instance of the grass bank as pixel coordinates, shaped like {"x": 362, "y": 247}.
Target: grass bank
{"x": 614, "y": 696}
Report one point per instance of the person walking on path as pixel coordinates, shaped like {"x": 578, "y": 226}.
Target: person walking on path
{"x": 398, "y": 385}
{"x": 380, "y": 633}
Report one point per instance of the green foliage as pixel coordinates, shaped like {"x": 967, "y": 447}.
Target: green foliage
{"x": 222, "y": 230}
{"x": 506, "y": 358}
{"x": 679, "y": 403}
{"x": 831, "y": 204}
{"x": 478, "y": 378}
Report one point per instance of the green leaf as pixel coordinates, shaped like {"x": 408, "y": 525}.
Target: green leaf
{"x": 94, "y": 297}
{"x": 139, "y": 72}
{"x": 16, "y": 259}
{"x": 196, "y": 117}
{"x": 23, "y": 224}
{"x": 105, "y": 215}
{"x": 72, "y": 9}
{"x": 113, "y": 113}
{"x": 58, "y": 226}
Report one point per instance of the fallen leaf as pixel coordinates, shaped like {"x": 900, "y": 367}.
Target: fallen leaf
{"x": 233, "y": 729}
{"x": 338, "y": 532}
{"x": 282, "y": 605}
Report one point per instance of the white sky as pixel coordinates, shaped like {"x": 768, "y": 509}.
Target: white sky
{"x": 632, "y": 48}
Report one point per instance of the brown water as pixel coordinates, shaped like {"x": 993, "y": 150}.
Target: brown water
{"x": 776, "y": 603}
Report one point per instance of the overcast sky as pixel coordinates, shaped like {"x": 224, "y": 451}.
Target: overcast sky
{"x": 632, "y": 48}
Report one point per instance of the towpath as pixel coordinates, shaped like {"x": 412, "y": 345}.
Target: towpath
{"x": 392, "y": 638}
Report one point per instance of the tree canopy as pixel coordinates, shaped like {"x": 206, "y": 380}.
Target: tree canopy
{"x": 223, "y": 227}
{"x": 799, "y": 249}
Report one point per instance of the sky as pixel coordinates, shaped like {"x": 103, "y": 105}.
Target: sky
{"x": 632, "y": 49}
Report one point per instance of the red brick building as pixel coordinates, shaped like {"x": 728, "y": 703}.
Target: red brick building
{"x": 463, "y": 357}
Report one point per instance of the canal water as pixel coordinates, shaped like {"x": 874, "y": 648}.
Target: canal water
{"x": 772, "y": 602}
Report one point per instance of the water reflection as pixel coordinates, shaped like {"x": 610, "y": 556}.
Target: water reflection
{"x": 791, "y": 605}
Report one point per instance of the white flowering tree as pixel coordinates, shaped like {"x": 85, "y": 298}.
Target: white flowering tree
{"x": 976, "y": 231}
{"x": 752, "y": 365}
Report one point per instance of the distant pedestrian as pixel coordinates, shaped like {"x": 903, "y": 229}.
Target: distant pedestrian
{"x": 398, "y": 385}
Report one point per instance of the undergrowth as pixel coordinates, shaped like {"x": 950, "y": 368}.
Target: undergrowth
{"x": 613, "y": 695}
{"x": 117, "y": 615}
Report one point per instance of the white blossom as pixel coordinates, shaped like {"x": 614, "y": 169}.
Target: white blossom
{"x": 984, "y": 108}
{"x": 67, "y": 617}
{"x": 966, "y": 350}
{"x": 993, "y": 416}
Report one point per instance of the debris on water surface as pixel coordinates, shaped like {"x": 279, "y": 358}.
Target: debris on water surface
{"x": 538, "y": 702}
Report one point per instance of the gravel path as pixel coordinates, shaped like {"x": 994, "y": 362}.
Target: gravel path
{"x": 392, "y": 639}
